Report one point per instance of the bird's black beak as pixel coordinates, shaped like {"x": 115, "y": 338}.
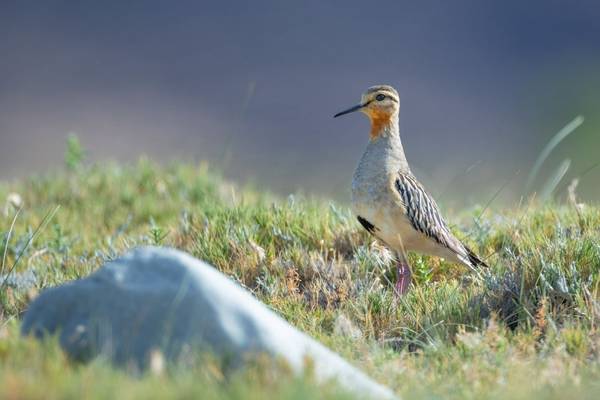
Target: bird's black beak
{"x": 350, "y": 110}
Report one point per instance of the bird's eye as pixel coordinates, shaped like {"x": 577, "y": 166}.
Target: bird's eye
{"x": 380, "y": 97}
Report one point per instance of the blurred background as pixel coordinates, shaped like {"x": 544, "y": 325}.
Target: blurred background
{"x": 252, "y": 87}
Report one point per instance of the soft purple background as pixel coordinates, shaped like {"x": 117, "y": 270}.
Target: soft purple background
{"x": 252, "y": 86}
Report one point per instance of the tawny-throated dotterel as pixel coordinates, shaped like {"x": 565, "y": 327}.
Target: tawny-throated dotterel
{"x": 389, "y": 201}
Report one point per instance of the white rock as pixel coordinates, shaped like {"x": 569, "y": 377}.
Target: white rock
{"x": 155, "y": 299}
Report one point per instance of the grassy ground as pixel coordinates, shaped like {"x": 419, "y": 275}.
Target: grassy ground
{"x": 525, "y": 327}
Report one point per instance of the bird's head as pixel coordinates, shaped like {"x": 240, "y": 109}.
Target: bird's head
{"x": 381, "y": 104}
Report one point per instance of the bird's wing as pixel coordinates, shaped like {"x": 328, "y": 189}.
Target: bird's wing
{"x": 424, "y": 215}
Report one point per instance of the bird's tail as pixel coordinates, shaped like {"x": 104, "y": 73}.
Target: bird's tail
{"x": 473, "y": 259}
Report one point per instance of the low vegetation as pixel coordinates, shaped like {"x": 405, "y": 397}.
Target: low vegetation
{"x": 526, "y": 327}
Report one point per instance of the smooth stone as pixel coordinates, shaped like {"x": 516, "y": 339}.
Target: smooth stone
{"x": 159, "y": 298}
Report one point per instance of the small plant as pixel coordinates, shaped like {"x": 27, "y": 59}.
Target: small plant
{"x": 576, "y": 342}
{"x": 423, "y": 271}
{"x": 74, "y": 154}
{"x": 157, "y": 233}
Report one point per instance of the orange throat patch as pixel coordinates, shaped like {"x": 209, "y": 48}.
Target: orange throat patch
{"x": 379, "y": 121}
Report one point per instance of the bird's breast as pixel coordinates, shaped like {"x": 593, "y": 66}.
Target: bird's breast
{"x": 370, "y": 195}
{"x": 374, "y": 200}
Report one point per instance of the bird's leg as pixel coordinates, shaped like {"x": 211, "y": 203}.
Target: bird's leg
{"x": 404, "y": 276}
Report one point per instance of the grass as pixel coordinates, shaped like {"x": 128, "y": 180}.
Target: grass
{"x": 525, "y": 327}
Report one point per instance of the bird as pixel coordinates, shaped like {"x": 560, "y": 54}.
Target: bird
{"x": 389, "y": 201}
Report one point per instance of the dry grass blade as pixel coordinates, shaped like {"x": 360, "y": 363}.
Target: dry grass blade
{"x": 550, "y": 146}
{"x": 552, "y": 183}
{"x": 35, "y": 233}
{"x": 10, "y": 231}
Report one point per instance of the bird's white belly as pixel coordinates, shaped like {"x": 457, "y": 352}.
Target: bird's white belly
{"x": 389, "y": 220}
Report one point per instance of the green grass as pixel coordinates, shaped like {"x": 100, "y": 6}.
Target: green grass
{"x": 525, "y": 327}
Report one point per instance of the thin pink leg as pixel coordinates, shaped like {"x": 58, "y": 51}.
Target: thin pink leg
{"x": 404, "y": 278}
